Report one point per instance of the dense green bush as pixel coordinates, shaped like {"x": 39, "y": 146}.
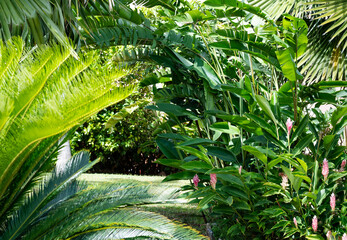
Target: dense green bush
{"x": 239, "y": 94}
{"x": 127, "y": 145}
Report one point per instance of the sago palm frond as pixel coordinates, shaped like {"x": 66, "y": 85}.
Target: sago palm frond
{"x": 57, "y": 187}
{"x": 39, "y": 158}
{"x": 47, "y": 92}
{"x": 61, "y": 208}
{"x": 107, "y": 211}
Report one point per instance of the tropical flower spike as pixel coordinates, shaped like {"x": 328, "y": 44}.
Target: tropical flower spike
{"x": 213, "y": 180}
{"x": 315, "y": 223}
{"x": 289, "y": 125}
{"x": 196, "y": 180}
{"x": 325, "y": 169}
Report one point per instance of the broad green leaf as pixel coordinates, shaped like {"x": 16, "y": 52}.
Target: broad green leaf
{"x": 221, "y": 153}
{"x": 226, "y": 170}
{"x": 206, "y": 200}
{"x": 184, "y": 175}
{"x": 288, "y": 66}
{"x": 307, "y": 179}
{"x": 261, "y": 156}
{"x": 241, "y": 122}
{"x": 196, "y": 166}
{"x": 238, "y": 91}
{"x": 170, "y": 162}
{"x": 274, "y": 162}
{"x": 225, "y": 127}
{"x": 230, "y": 45}
{"x": 302, "y": 144}
{"x": 262, "y": 123}
{"x": 314, "y": 237}
{"x": 273, "y": 140}
{"x": 220, "y": 4}
{"x": 174, "y": 136}
{"x": 173, "y": 109}
{"x": 302, "y": 125}
{"x": 168, "y": 148}
{"x": 322, "y": 194}
{"x": 298, "y": 181}
{"x": 264, "y": 104}
{"x": 231, "y": 179}
{"x": 336, "y": 176}
{"x": 198, "y": 153}
{"x": 338, "y": 114}
{"x": 273, "y": 185}
{"x": 235, "y": 192}
{"x": 296, "y": 35}
{"x": 203, "y": 69}
{"x": 303, "y": 165}
{"x": 331, "y": 84}
{"x": 197, "y": 141}
{"x": 242, "y": 205}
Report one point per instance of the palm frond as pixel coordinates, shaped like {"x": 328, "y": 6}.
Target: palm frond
{"x": 42, "y": 197}
{"x": 325, "y": 62}
{"x": 92, "y": 213}
{"x": 40, "y": 158}
{"x": 131, "y": 223}
{"x": 325, "y": 56}
{"x": 49, "y": 92}
{"x": 275, "y": 8}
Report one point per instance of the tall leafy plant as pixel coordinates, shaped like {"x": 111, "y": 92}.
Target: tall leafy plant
{"x": 227, "y": 107}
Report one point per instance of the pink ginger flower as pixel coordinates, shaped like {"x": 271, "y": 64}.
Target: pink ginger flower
{"x": 315, "y": 223}
{"x": 289, "y": 124}
{"x": 344, "y": 237}
{"x": 325, "y": 169}
{"x": 284, "y": 182}
{"x": 213, "y": 180}
{"x": 240, "y": 170}
{"x": 329, "y": 235}
{"x": 332, "y": 202}
{"x": 196, "y": 180}
{"x": 295, "y": 222}
{"x": 343, "y": 164}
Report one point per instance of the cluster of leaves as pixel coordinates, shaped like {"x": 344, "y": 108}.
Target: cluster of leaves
{"x": 121, "y": 135}
{"x": 227, "y": 100}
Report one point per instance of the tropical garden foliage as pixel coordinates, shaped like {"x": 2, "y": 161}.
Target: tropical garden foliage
{"x": 240, "y": 88}
{"x": 233, "y": 96}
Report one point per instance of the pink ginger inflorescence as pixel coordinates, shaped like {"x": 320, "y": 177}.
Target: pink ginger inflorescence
{"x": 315, "y": 223}
{"x": 196, "y": 180}
{"x": 295, "y": 222}
{"x": 343, "y": 164}
{"x": 289, "y": 125}
{"x": 329, "y": 235}
{"x": 213, "y": 180}
{"x": 332, "y": 202}
{"x": 325, "y": 169}
{"x": 284, "y": 182}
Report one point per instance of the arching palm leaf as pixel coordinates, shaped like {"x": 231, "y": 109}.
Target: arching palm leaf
{"x": 326, "y": 51}
{"x": 44, "y": 93}
{"x": 60, "y": 207}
